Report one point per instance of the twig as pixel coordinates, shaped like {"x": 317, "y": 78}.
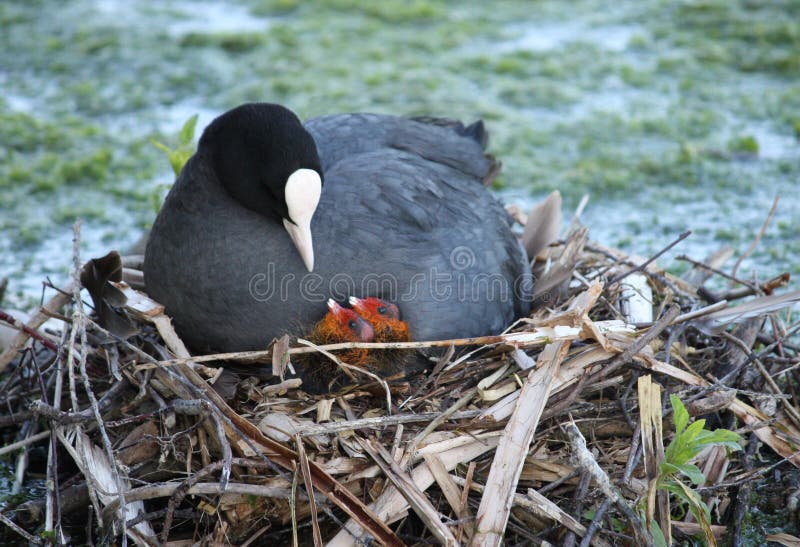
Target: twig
{"x": 440, "y": 419}
{"x": 107, "y": 401}
{"x": 509, "y": 458}
{"x": 536, "y": 503}
{"x": 767, "y": 287}
{"x": 181, "y": 490}
{"x": 21, "y": 465}
{"x": 78, "y": 324}
{"x": 537, "y": 337}
{"x": 406, "y": 485}
{"x": 55, "y": 303}
{"x": 293, "y": 507}
{"x": 382, "y": 422}
{"x": 24, "y": 442}
{"x": 638, "y": 345}
{"x": 577, "y": 508}
{"x": 53, "y": 500}
{"x": 717, "y": 271}
{"x": 11, "y": 524}
{"x": 33, "y": 333}
{"x": 585, "y": 459}
{"x": 162, "y": 490}
{"x": 350, "y": 369}
{"x": 758, "y": 237}
{"x": 576, "y": 216}
{"x": 280, "y": 455}
{"x": 711, "y": 308}
{"x": 743, "y": 498}
{"x": 647, "y": 262}
{"x": 791, "y": 411}
{"x": 753, "y": 356}
{"x": 306, "y": 473}
{"x": 596, "y": 523}
{"x": 563, "y": 404}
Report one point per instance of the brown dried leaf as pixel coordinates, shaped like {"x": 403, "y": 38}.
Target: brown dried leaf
{"x": 97, "y": 275}
{"x": 543, "y": 225}
{"x": 280, "y": 356}
{"x": 139, "y": 445}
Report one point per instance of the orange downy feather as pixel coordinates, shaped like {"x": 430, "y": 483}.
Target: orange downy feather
{"x": 318, "y": 372}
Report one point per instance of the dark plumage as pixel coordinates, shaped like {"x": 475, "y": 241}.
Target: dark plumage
{"x": 403, "y": 215}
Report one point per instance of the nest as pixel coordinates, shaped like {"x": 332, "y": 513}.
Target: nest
{"x": 553, "y": 431}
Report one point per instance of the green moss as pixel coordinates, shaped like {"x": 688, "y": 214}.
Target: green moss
{"x": 745, "y": 145}
{"x": 275, "y": 7}
{"x": 393, "y": 11}
{"x": 90, "y": 168}
{"x": 232, "y": 42}
{"x": 729, "y": 235}
{"x": 30, "y": 233}
{"x": 94, "y": 43}
{"x": 747, "y": 36}
{"x": 796, "y": 127}
{"x": 67, "y": 214}
{"x": 635, "y": 77}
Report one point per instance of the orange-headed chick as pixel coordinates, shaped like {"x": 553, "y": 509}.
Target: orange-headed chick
{"x": 384, "y": 317}
{"x": 319, "y": 373}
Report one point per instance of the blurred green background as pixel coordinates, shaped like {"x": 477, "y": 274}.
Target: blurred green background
{"x": 670, "y": 115}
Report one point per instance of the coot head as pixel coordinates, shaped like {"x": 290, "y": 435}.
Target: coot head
{"x": 342, "y": 325}
{"x": 374, "y": 308}
{"x": 269, "y": 163}
{"x": 384, "y": 317}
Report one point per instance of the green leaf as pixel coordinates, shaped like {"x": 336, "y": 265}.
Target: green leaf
{"x": 723, "y": 437}
{"x": 693, "y": 431}
{"x": 658, "y": 535}
{"x": 155, "y": 196}
{"x": 668, "y": 469}
{"x": 679, "y": 451}
{"x": 681, "y": 416}
{"x": 700, "y": 512}
{"x": 179, "y": 155}
{"x": 187, "y": 131}
{"x": 687, "y": 443}
{"x": 692, "y": 472}
{"x": 161, "y": 146}
{"x": 672, "y": 487}
{"x": 179, "y": 159}
{"x": 618, "y": 525}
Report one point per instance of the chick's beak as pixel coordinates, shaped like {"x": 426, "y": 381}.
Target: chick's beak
{"x": 301, "y": 237}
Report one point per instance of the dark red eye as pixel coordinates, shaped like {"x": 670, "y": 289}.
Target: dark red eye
{"x": 352, "y": 324}
{"x": 382, "y": 310}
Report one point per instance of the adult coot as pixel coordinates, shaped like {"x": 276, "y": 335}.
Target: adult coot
{"x": 403, "y": 214}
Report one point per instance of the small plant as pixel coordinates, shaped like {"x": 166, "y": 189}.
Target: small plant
{"x": 689, "y": 441}
{"x": 179, "y": 155}
{"x": 746, "y": 145}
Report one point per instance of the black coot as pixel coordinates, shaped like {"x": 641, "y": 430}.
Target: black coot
{"x": 403, "y": 214}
